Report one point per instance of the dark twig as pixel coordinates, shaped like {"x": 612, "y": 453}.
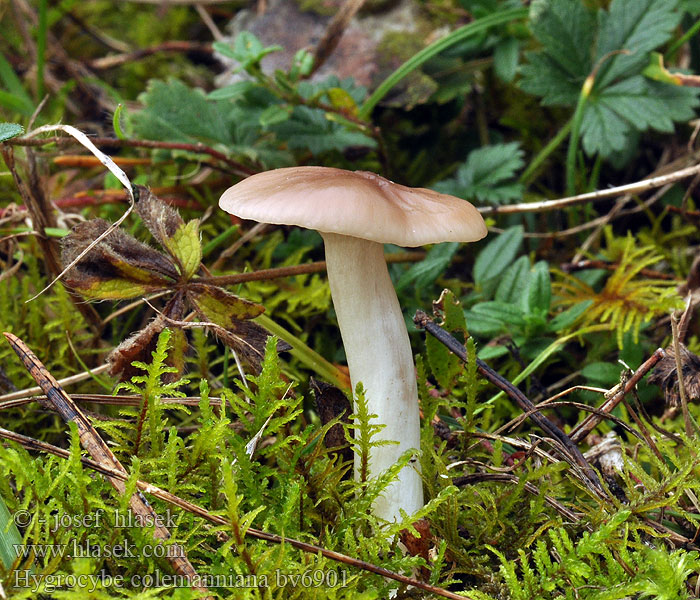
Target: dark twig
{"x": 422, "y": 320}
{"x": 90, "y": 440}
{"x": 580, "y": 432}
{"x": 314, "y": 267}
{"x": 165, "y": 496}
{"x": 198, "y": 148}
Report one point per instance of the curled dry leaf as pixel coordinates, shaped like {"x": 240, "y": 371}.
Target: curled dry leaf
{"x": 116, "y": 268}
{"x": 665, "y": 375}
{"x": 121, "y": 267}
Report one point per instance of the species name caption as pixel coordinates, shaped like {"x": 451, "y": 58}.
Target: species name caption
{"x": 117, "y": 519}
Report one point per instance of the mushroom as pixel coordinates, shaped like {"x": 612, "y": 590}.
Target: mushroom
{"x": 355, "y": 213}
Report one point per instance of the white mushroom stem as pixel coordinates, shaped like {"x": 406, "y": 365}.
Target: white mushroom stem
{"x": 379, "y": 356}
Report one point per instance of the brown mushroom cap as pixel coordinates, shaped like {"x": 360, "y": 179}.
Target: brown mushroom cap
{"x": 354, "y": 203}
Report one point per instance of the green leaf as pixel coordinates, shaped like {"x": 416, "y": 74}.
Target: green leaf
{"x": 493, "y": 318}
{"x": 247, "y": 49}
{"x": 634, "y": 103}
{"x": 569, "y": 316}
{"x": 514, "y": 282}
{"x": 117, "y": 267}
{"x": 505, "y": 59}
{"x": 539, "y": 292}
{"x": 231, "y": 91}
{"x": 621, "y": 102}
{"x": 14, "y": 96}
{"x": 485, "y": 175}
{"x": 220, "y": 306}
{"x": 310, "y": 129}
{"x": 175, "y": 112}
{"x": 566, "y": 29}
{"x": 443, "y": 363}
{"x": 342, "y": 100}
{"x": 277, "y": 113}
{"x": 424, "y": 273}
{"x": 497, "y": 255}
{"x": 636, "y": 27}
{"x": 10, "y": 130}
{"x": 603, "y": 373}
{"x": 186, "y": 247}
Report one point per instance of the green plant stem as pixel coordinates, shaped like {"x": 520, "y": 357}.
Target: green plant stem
{"x": 529, "y": 173}
{"x": 218, "y": 240}
{"x": 676, "y": 46}
{"x": 306, "y": 355}
{"x": 41, "y": 48}
{"x": 575, "y": 135}
{"x": 554, "y": 347}
{"x": 434, "y": 49}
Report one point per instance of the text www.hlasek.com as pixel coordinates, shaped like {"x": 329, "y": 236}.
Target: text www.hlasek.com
{"x": 74, "y": 550}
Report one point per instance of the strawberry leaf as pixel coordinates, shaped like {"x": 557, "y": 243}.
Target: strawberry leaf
{"x": 622, "y": 102}
{"x": 487, "y": 175}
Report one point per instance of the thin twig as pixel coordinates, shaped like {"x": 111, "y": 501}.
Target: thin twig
{"x": 277, "y": 272}
{"x": 630, "y": 188}
{"x": 601, "y": 264}
{"x": 65, "y": 381}
{"x": 580, "y": 432}
{"x": 334, "y": 32}
{"x": 422, "y": 320}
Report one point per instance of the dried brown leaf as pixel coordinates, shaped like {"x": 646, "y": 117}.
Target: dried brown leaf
{"x": 665, "y": 375}
{"x": 119, "y": 266}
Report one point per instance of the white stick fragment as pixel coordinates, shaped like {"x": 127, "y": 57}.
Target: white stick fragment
{"x": 111, "y": 167}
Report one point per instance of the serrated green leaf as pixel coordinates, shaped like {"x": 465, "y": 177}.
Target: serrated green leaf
{"x": 186, "y": 247}
{"x": 424, "y": 273}
{"x": 309, "y": 128}
{"x": 10, "y": 130}
{"x": 621, "y": 101}
{"x": 565, "y": 28}
{"x": 175, "y": 112}
{"x": 635, "y": 103}
{"x": 634, "y": 27}
{"x": 484, "y": 175}
{"x": 497, "y": 255}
